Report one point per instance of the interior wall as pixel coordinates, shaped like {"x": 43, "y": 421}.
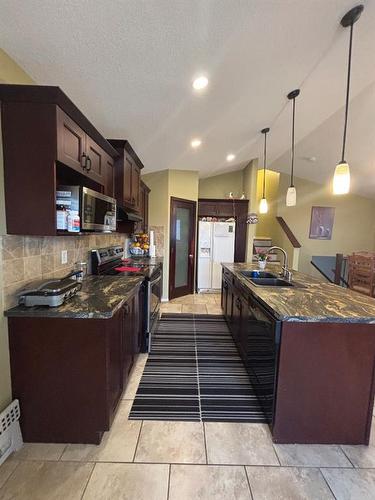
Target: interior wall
{"x": 250, "y": 175}
{"x": 354, "y": 222}
{"x": 10, "y": 72}
{"x": 219, "y": 186}
{"x": 267, "y": 222}
{"x": 164, "y": 184}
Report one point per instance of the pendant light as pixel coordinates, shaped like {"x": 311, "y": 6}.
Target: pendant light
{"x": 263, "y": 205}
{"x": 341, "y": 179}
{"x": 291, "y": 195}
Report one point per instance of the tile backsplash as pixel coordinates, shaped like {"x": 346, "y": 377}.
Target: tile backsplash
{"x": 28, "y": 258}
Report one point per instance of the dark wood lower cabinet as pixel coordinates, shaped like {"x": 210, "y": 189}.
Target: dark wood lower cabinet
{"x": 69, "y": 374}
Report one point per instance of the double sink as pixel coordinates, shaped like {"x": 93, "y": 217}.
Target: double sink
{"x": 263, "y": 278}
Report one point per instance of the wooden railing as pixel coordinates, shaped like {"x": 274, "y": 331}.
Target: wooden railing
{"x": 293, "y": 240}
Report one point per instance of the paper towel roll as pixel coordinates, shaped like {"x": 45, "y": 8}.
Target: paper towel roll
{"x": 152, "y": 242}
{"x": 152, "y": 251}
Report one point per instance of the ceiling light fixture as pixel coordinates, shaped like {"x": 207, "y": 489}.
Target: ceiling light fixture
{"x": 231, "y": 157}
{"x": 341, "y": 179}
{"x": 291, "y": 195}
{"x": 195, "y": 143}
{"x": 263, "y": 205}
{"x": 200, "y": 83}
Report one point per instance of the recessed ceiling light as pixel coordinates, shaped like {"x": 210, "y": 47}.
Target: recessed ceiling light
{"x": 231, "y": 157}
{"x": 200, "y": 83}
{"x": 195, "y": 143}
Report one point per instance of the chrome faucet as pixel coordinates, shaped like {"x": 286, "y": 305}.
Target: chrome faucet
{"x": 286, "y": 273}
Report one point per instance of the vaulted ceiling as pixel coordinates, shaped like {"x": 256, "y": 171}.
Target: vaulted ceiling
{"x": 129, "y": 65}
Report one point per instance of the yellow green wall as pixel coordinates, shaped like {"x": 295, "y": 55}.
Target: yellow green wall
{"x": 353, "y": 228}
{"x": 267, "y": 222}
{"x": 10, "y": 72}
{"x": 164, "y": 185}
{"x": 219, "y": 186}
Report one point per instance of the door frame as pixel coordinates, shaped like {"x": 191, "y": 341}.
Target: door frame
{"x": 172, "y": 292}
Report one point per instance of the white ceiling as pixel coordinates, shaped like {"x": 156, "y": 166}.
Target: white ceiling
{"x": 129, "y": 65}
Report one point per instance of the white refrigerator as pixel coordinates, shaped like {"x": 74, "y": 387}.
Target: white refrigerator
{"x": 215, "y": 245}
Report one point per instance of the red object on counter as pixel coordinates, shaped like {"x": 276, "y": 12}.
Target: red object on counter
{"x": 123, "y": 269}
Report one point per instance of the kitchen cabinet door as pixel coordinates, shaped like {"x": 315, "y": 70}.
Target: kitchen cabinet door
{"x": 136, "y": 180}
{"x": 95, "y": 162}
{"x": 127, "y": 180}
{"x": 71, "y": 142}
{"x": 115, "y": 376}
{"x": 109, "y": 175}
{"x": 146, "y": 195}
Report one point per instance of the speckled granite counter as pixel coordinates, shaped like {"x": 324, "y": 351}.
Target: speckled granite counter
{"x": 100, "y": 297}
{"x": 313, "y": 301}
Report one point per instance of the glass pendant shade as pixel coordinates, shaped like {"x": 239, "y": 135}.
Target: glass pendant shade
{"x": 291, "y": 197}
{"x": 263, "y": 206}
{"x": 341, "y": 179}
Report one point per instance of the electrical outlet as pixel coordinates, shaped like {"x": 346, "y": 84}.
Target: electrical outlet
{"x": 64, "y": 256}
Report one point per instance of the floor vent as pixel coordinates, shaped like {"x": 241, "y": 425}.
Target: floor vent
{"x": 10, "y": 432}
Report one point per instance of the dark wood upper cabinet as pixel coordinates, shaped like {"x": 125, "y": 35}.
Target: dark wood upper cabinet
{"x": 127, "y": 175}
{"x": 47, "y": 141}
{"x": 229, "y": 208}
{"x": 144, "y": 191}
{"x": 71, "y": 142}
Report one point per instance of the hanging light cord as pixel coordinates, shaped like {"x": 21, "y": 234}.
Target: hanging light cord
{"x": 264, "y": 164}
{"x": 347, "y": 93}
{"x": 294, "y": 117}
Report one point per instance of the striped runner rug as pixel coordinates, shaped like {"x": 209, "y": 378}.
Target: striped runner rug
{"x": 194, "y": 373}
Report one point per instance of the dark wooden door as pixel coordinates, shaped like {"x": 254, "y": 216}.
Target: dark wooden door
{"x": 182, "y": 247}
{"x": 71, "y": 142}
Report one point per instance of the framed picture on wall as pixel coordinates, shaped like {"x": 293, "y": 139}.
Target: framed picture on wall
{"x": 321, "y": 224}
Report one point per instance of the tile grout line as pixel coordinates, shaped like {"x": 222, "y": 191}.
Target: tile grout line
{"x": 11, "y": 474}
{"x": 248, "y": 482}
{"x": 169, "y": 481}
{"x": 89, "y": 478}
{"x": 277, "y": 456}
{"x": 136, "y": 446}
{"x": 205, "y": 441}
{"x": 62, "y": 453}
{"x": 327, "y": 483}
{"x": 343, "y": 451}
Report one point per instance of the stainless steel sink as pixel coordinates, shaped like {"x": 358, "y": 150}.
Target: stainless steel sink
{"x": 270, "y": 282}
{"x": 258, "y": 274}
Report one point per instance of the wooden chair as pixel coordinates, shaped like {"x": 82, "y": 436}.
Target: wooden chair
{"x": 362, "y": 273}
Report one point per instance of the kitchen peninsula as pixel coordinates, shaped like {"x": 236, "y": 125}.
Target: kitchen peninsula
{"x": 310, "y": 353}
{"x": 70, "y": 364}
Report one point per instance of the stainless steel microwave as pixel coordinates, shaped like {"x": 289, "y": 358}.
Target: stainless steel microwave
{"x": 97, "y": 211}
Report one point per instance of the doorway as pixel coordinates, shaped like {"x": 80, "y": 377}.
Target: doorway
{"x": 182, "y": 247}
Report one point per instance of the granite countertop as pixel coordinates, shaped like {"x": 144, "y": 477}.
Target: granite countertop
{"x": 99, "y": 298}
{"x": 312, "y": 300}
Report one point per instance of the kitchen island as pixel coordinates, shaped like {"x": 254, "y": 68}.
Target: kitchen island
{"x": 310, "y": 353}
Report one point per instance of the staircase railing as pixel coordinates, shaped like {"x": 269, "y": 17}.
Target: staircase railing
{"x": 293, "y": 240}
{"x": 334, "y": 268}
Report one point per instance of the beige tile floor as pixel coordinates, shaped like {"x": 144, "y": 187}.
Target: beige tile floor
{"x": 187, "y": 461}
{"x": 198, "y": 303}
